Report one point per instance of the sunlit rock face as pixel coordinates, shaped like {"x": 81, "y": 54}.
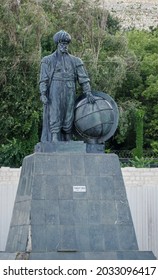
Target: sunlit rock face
{"x": 141, "y": 14}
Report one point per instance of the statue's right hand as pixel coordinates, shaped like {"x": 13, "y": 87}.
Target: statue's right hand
{"x": 44, "y": 99}
{"x": 90, "y": 98}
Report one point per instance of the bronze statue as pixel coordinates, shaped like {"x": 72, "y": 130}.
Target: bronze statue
{"x": 60, "y": 72}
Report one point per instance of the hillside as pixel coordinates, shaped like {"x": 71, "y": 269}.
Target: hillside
{"x": 132, "y": 13}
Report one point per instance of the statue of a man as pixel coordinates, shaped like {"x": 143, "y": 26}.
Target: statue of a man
{"x": 59, "y": 73}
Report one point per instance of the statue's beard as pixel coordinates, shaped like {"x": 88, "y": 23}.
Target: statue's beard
{"x": 63, "y": 49}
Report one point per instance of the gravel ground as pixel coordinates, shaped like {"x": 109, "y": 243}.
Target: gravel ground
{"x": 132, "y": 13}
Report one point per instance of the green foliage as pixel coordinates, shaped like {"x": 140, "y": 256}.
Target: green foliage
{"x": 141, "y": 162}
{"x": 144, "y": 44}
{"x": 13, "y": 152}
{"x": 125, "y": 65}
{"x": 21, "y": 30}
{"x": 154, "y": 146}
{"x": 113, "y": 24}
{"x": 139, "y": 119}
{"x": 127, "y": 111}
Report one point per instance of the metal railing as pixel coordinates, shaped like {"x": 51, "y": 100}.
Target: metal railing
{"x": 150, "y": 158}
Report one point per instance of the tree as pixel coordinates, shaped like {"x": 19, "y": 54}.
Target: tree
{"x": 139, "y": 116}
{"x": 117, "y": 63}
{"x": 22, "y": 26}
{"x": 144, "y": 44}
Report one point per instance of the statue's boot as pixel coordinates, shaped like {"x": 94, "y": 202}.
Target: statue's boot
{"x": 55, "y": 137}
{"x": 68, "y": 137}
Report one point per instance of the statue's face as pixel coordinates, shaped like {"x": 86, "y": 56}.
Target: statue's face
{"x": 63, "y": 47}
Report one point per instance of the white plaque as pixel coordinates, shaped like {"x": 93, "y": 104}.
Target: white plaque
{"x": 79, "y": 188}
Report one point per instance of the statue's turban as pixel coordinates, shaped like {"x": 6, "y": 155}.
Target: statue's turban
{"x": 62, "y": 36}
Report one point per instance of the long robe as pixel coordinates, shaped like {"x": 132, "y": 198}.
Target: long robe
{"x": 58, "y": 77}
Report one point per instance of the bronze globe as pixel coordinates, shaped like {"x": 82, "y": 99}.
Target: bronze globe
{"x": 96, "y": 122}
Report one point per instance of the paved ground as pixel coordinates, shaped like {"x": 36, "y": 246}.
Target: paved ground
{"x": 132, "y": 13}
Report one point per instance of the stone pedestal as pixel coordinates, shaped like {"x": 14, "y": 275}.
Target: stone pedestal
{"x": 72, "y": 206}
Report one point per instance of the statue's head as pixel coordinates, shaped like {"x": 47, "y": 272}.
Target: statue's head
{"x": 62, "y": 39}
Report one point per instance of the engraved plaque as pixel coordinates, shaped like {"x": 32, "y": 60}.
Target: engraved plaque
{"x": 79, "y": 188}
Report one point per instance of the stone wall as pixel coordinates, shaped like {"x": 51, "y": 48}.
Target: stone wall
{"x": 9, "y": 176}
{"x": 140, "y": 177}
{"x": 142, "y": 192}
{"x": 132, "y": 176}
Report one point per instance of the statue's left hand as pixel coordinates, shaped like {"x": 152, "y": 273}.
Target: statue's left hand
{"x": 90, "y": 98}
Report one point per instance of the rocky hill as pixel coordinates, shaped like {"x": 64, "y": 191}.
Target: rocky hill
{"x": 140, "y": 14}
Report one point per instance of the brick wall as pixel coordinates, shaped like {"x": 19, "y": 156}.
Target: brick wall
{"x": 9, "y": 176}
{"x": 134, "y": 177}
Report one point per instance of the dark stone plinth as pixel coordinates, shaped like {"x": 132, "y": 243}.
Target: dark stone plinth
{"x": 69, "y": 146}
{"x": 72, "y": 205}
{"x": 112, "y": 255}
{"x": 95, "y": 148}
{"x": 7, "y": 256}
{"x": 61, "y": 147}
